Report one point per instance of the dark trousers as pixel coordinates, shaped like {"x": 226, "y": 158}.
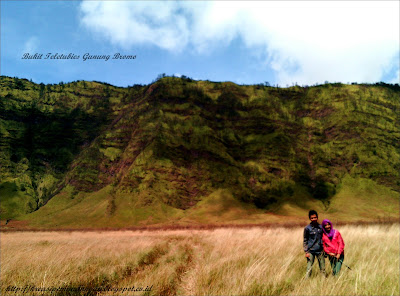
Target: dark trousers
{"x": 310, "y": 262}
{"x": 336, "y": 263}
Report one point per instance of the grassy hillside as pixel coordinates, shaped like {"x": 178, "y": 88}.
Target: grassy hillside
{"x": 183, "y": 151}
{"x": 42, "y": 129}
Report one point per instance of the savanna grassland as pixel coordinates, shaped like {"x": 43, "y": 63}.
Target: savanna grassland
{"x": 229, "y": 261}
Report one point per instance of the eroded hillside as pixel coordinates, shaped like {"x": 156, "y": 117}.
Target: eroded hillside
{"x": 177, "y": 147}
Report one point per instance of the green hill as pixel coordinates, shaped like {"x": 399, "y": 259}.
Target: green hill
{"x": 89, "y": 154}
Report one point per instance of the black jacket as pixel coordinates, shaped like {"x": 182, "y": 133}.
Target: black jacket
{"x": 313, "y": 239}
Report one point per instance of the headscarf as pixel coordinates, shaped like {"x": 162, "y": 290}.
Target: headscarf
{"x": 332, "y": 232}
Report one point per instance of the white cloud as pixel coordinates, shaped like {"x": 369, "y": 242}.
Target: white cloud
{"x": 129, "y": 23}
{"x": 305, "y": 42}
{"x": 31, "y": 45}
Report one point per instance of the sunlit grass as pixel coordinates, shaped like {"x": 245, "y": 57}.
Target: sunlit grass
{"x": 231, "y": 261}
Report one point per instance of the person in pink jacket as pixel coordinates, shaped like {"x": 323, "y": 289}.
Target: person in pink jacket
{"x": 333, "y": 246}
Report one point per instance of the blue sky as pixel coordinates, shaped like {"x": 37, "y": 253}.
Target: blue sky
{"x": 244, "y": 42}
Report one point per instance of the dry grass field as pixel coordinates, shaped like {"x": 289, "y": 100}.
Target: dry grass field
{"x": 228, "y": 261}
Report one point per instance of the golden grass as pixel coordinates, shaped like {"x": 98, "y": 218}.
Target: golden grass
{"x": 230, "y": 261}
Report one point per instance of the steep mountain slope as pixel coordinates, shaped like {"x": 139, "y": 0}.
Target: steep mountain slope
{"x": 42, "y": 129}
{"x": 195, "y": 151}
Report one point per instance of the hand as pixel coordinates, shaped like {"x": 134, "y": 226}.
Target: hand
{"x": 331, "y": 254}
{"x": 337, "y": 256}
{"x": 307, "y": 255}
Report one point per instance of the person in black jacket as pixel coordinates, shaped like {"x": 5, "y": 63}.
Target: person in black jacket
{"x": 312, "y": 244}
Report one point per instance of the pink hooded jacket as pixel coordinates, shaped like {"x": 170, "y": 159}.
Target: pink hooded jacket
{"x": 334, "y": 245}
